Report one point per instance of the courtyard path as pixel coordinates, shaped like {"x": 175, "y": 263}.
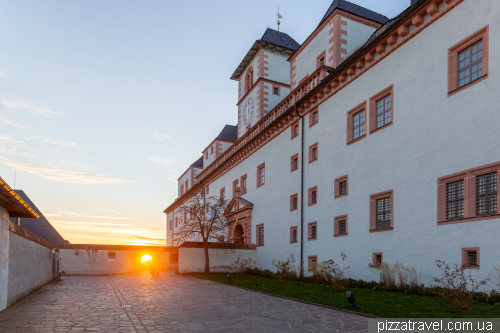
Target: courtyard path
{"x": 168, "y": 303}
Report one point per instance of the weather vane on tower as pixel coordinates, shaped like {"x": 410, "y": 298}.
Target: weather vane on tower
{"x": 278, "y": 22}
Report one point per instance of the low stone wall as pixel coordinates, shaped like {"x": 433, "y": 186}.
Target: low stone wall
{"x": 221, "y": 256}
{"x": 89, "y": 259}
{"x": 32, "y": 265}
{"x": 28, "y": 263}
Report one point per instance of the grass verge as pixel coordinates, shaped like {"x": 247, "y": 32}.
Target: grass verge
{"x": 378, "y": 303}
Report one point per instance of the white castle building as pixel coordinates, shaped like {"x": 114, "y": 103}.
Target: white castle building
{"x": 376, "y": 137}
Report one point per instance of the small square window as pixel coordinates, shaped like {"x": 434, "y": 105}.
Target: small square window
{"x": 294, "y": 163}
{"x": 276, "y": 90}
{"x": 294, "y": 202}
{"x": 294, "y": 131}
{"x": 244, "y": 184}
{"x": 313, "y": 196}
{"x": 377, "y": 259}
{"x": 293, "y": 234}
{"x": 111, "y": 255}
{"x": 260, "y": 234}
{"x": 311, "y": 263}
{"x": 313, "y": 118}
{"x": 313, "y": 153}
{"x": 312, "y": 231}
{"x": 340, "y": 226}
{"x": 470, "y": 258}
{"x": 261, "y": 175}
{"x": 343, "y": 188}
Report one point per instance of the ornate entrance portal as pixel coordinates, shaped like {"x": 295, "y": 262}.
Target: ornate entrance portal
{"x": 239, "y": 220}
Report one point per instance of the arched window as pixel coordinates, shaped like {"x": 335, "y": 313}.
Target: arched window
{"x": 249, "y": 79}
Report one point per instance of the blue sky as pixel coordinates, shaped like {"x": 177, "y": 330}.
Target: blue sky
{"x": 104, "y": 104}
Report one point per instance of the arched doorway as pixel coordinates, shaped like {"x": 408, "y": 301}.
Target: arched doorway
{"x": 238, "y": 234}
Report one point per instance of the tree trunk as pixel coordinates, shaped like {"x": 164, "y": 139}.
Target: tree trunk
{"x": 207, "y": 261}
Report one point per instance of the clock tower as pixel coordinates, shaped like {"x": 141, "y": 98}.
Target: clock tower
{"x": 263, "y": 77}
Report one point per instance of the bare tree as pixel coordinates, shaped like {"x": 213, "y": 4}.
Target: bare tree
{"x": 202, "y": 218}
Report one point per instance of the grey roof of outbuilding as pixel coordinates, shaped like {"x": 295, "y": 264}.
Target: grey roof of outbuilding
{"x": 198, "y": 163}
{"x": 279, "y": 38}
{"x": 356, "y": 10}
{"x": 228, "y": 133}
{"x": 40, "y": 226}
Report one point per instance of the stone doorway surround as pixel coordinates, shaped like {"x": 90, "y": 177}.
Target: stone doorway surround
{"x": 239, "y": 219}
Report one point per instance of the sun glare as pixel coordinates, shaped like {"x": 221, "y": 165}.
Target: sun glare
{"x": 146, "y": 257}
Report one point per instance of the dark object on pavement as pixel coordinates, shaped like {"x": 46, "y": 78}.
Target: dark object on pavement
{"x": 229, "y": 278}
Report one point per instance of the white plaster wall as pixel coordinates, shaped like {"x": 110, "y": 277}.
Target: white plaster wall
{"x": 273, "y": 99}
{"x": 305, "y": 62}
{"x": 31, "y": 266}
{"x": 224, "y": 146}
{"x": 170, "y": 217}
{"x": 279, "y": 67}
{"x": 211, "y": 157}
{"x": 432, "y": 136}
{"x": 192, "y": 260}
{"x": 96, "y": 262}
{"x": 4, "y": 257}
{"x": 182, "y": 181}
{"x": 357, "y": 35}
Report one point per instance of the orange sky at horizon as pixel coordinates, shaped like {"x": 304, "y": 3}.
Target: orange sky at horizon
{"x": 110, "y": 233}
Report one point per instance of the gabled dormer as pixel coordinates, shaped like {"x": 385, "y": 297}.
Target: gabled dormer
{"x": 188, "y": 178}
{"x": 344, "y": 28}
{"x": 223, "y": 141}
{"x": 263, "y": 77}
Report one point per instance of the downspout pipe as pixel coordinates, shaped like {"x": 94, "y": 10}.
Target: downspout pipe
{"x": 301, "y": 189}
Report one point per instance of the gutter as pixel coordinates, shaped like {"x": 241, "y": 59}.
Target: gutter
{"x": 301, "y": 188}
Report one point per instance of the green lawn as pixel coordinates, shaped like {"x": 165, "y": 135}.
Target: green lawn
{"x": 378, "y": 303}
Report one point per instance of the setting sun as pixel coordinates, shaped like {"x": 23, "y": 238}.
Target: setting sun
{"x": 146, "y": 257}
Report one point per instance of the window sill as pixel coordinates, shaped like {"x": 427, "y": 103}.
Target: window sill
{"x": 258, "y": 245}
{"x": 381, "y": 128}
{"x": 294, "y": 210}
{"x": 382, "y": 229}
{"x": 261, "y": 185}
{"x": 313, "y": 124}
{"x": 312, "y": 161}
{"x": 312, "y": 239}
{"x": 377, "y": 267}
{"x": 312, "y": 204}
{"x": 340, "y": 235}
{"x": 356, "y": 140}
{"x": 470, "y": 266}
{"x": 295, "y": 136}
{"x": 293, "y": 170}
{"x": 470, "y": 219}
{"x": 456, "y": 91}
{"x": 341, "y": 196}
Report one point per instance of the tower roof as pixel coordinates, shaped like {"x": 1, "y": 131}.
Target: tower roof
{"x": 272, "y": 40}
{"x": 354, "y": 9}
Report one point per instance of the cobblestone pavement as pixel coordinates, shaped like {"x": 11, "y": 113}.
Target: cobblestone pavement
{"x": 168, "y": 303}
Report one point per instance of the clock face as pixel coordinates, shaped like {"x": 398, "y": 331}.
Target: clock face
{"x": 248, "y": 111}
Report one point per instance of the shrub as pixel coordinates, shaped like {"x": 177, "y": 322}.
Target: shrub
{"x": 334, "y": 275}
{"x": 283, "y": 269}
{"x": 241, "y": 266}
{"x": 454, "y": 284}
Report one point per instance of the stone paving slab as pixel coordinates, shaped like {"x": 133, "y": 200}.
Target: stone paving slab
{"x": 168, "y": 303}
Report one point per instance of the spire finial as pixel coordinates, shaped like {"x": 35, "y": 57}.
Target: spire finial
{"x": 278, "y": 22}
